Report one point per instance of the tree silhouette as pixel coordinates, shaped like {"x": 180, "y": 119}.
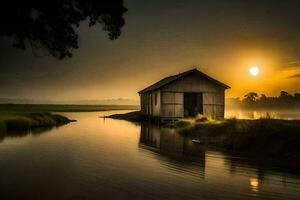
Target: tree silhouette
{"x": 250, "y": 98}
{"x": 297, "y": 96}
{"x": 253, "y": 100}
{"x": 50, "y": 26}
{"x": 263, "y": 97}
{"x": 284, "y": 94}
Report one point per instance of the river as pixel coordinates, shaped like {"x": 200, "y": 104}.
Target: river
{"x": 98, "y": 158}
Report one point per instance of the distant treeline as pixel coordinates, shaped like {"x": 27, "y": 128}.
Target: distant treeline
{"x": 253, "y": 100}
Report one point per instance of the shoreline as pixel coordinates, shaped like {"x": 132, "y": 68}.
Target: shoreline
{"x": 134, "y": 116}
{"x": 27, "y": 121}
{"x": 265, "y": 141}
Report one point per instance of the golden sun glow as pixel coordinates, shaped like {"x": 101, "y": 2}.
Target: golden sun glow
{"x": 254, "y": 70}
{"x": 254, "y": 184}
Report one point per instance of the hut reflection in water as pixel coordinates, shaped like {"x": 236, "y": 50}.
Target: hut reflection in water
{"x": 168, "y": 142}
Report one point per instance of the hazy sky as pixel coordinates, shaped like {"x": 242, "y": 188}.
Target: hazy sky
{"x": 160, "y": 38}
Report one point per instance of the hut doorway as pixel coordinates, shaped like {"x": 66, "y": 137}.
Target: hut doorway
{"x": 193, "y": 104}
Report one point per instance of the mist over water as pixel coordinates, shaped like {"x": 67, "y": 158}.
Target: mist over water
{"x": 257, "y": 114}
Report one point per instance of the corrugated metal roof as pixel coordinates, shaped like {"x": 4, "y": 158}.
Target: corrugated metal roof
{"x": 170, "y": 79}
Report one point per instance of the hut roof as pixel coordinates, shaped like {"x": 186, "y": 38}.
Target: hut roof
{"x": 170, "y": 79}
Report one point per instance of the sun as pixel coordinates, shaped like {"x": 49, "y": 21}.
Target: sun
{"x": 254, "y": 70}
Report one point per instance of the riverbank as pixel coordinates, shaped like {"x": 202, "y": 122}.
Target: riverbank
{"x": 12, "y": 122}
{"x": 267, "y": 141}
{"x": 134, "y": 116}
{"x": 22, "y": 117}
{"x": 271, "y": 139}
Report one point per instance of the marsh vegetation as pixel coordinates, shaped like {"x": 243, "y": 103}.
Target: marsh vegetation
{"x": 20, "y": 117}
{"x": 22, "y": 121}
{"x": 266, "y": 140}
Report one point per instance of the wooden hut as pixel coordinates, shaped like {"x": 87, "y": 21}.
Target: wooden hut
{"x": 184, "y": 95}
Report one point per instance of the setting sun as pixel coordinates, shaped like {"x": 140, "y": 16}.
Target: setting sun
{"x": 254, "y": 70}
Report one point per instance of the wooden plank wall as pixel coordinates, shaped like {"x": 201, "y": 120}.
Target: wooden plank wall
{"x": 213, "y": 104}
{"x": 172, "y": 104}
{"x": 170, "y": 98}
{"x": 148, "y": 106}
{"x": 156, "y": 107}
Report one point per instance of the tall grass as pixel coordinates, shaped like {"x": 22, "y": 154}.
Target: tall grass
{"x": 266, "y": 139}
{"x": 25, "y": 121}
{"x": 272, "y": 138}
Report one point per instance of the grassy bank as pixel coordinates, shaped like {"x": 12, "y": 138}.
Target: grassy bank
{"x": 61, "y": 108}
{"x": 134, "y": 116}
{"x": 26, "y": 121}
{"x": 268, "y": 140}
{"x": 20, "y": 117}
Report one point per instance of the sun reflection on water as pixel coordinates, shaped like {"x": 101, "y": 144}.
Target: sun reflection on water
{"x": 254, "y": 184}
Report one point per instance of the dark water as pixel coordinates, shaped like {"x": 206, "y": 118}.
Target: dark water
{"x": 112, "y": 159}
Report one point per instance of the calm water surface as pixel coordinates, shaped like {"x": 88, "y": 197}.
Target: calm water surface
{"x": 112, "y": 159}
